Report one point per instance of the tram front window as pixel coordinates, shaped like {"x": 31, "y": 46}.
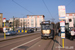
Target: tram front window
{"x": 45, "y": 27}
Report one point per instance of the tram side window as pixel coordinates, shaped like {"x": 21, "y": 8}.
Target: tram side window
{"x": 51, "y": 26}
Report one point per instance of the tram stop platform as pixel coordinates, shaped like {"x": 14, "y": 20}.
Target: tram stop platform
{"x": 68, "y": 44}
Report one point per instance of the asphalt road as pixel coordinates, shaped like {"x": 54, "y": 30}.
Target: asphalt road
{"x": 33, "y": 42}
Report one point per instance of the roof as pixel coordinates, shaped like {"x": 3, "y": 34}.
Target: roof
{"x": 70, "y": 13}
{"x": 35, "y": 15}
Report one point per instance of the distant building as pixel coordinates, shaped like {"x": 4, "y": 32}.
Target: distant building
{"x": 31, "y": 21}
{"x": 1, "y": 19}
{"x": 23, "y": 22}
{"x": 16, "y": 22}
{"x": 71, "y": 17}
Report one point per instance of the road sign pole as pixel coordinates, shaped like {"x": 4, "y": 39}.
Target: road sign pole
{"x": 4, "y": 32}
{"x": 63, "y": 43}
{"x": 62, "y": 16}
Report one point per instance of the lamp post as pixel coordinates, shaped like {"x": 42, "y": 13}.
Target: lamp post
{"x": 13, "y": 23}
{"x": 35, "y": 24}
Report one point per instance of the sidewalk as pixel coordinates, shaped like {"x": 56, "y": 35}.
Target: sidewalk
{"x": 68, "y": 44}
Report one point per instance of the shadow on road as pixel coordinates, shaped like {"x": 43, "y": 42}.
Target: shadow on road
{"x": 57, "y": 42}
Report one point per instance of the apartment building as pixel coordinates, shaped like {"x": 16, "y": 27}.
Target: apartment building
{"x": 1, "y": 19}
{"x": 71, "y": 17}
{"x": 31, "y": 21}
{"x": 23, "y": 22}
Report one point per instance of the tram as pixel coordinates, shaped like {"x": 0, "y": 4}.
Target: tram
{"x": 47, "y": 30}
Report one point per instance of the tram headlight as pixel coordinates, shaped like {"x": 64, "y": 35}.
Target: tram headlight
{"x": 46, "y": 31}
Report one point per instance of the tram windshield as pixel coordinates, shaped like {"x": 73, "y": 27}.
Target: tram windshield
{"x": 45, "y": 27}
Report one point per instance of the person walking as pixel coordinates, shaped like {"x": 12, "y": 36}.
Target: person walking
{"x": 59, "y": 32}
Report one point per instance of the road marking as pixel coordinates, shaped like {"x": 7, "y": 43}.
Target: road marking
{"x": 25, "y": 43}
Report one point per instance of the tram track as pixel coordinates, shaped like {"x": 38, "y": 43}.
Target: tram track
{"x": 48, "y": 45}
{"x": 15, "y": 41}
{"x": 50, "y": 42}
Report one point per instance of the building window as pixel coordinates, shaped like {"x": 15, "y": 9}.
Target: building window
{"x": 67, "y": 14}
{"x": 32, "y": 25}
{"x": 21, "y": 20}
{"x": 40, "y": 16}
{"x": 32, "y": 16}
{"x": 32, "y": 20}
{"x": 29, "y": 16}
{"x": 24, "y": 20}
{"x": 36, "y": 25}
{"x": 72, "y": 14}
{"x": 40, "y": 20}
{"x": 28, "y": 22}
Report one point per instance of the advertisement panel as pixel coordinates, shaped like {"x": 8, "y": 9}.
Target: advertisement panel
{"x": 61, "y": 11}
{"x": 62, "y": 23}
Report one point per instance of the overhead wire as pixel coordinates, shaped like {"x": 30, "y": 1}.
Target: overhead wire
{"x": 48, "y": 10}
{"x": 67, "y": 4}
{"x": 22, "y": 7}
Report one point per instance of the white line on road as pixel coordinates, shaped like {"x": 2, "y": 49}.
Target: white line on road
{"x": 25, "y": 43}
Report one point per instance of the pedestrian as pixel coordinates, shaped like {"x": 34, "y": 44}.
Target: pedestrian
{"x": 59, "y": 32}
{"x": 72, "y": 34}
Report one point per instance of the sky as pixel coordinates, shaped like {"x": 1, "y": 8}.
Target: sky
{"x": 22, "y": 8}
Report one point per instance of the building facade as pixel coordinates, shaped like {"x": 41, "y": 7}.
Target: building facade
{"x": 1, "y": 19}
{"x": 31, "y": 21}
{"x": 71, "y": 18}
{"x": 16, "y": 22}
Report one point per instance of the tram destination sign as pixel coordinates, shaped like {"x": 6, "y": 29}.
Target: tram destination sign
{"x": 45, "y": 22}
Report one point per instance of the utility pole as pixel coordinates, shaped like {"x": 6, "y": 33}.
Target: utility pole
{"x": 35, "y": 23}
{"x": 13, "y": 23}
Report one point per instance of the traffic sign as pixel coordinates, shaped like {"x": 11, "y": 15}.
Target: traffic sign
{"x": 4, "y": 29}
{"x": 4, "y": 19}
{"x": 62, "y": 29}
{"x": 62, "y": 35}
{"x": 62, "y": 23}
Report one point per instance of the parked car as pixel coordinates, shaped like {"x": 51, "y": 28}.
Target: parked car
{"x": 30, "y": 31}
{"x": 11, "y": 33}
